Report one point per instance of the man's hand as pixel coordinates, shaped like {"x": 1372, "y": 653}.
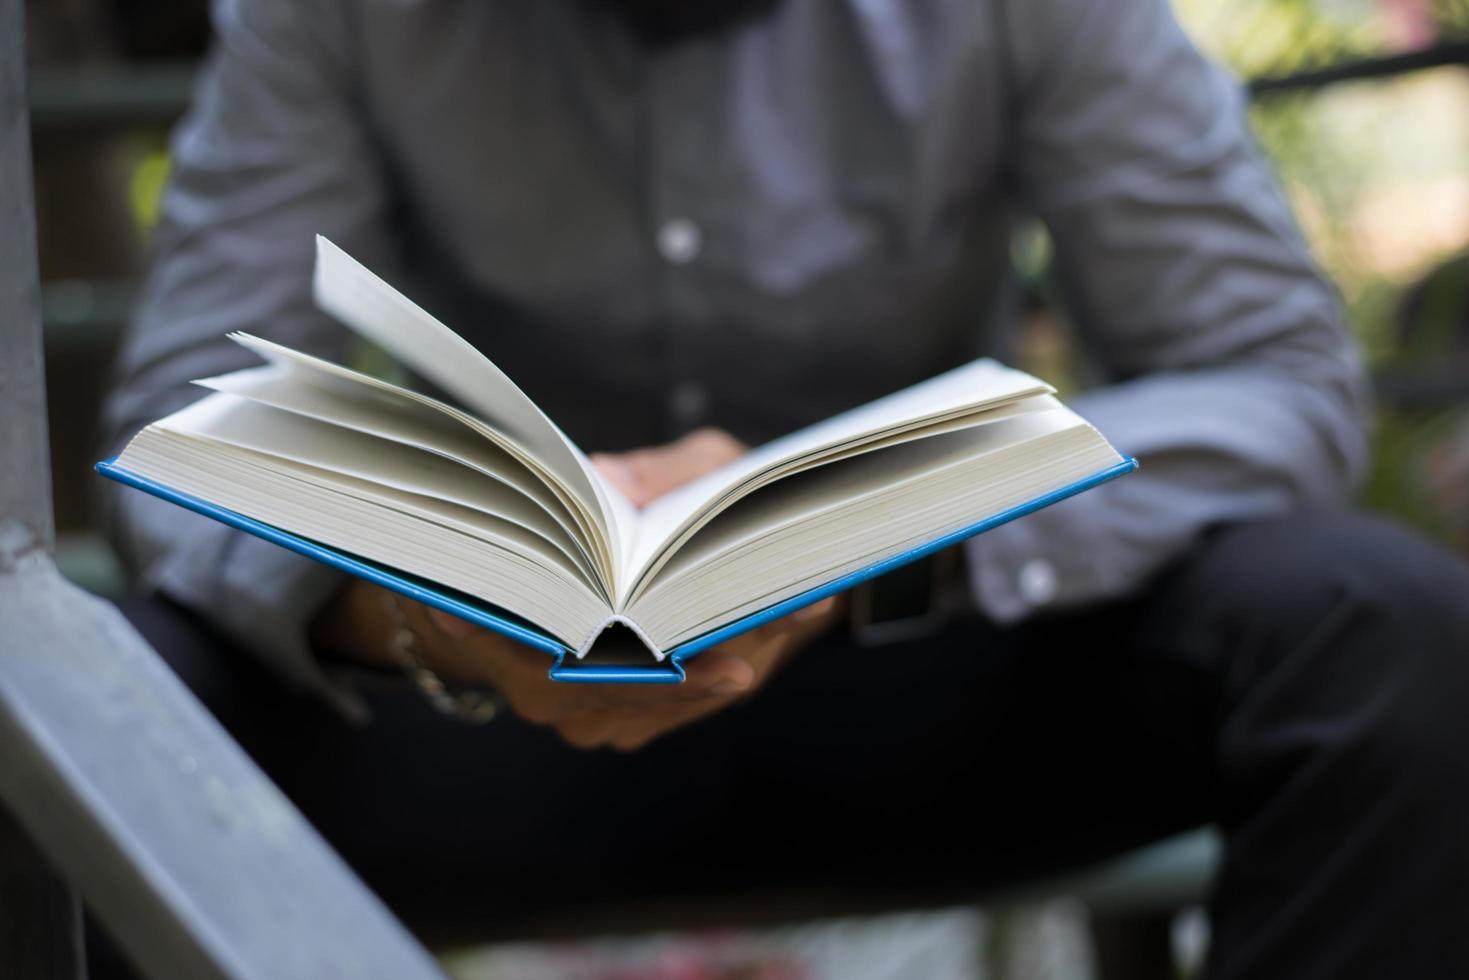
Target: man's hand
{"x": 644, "y": 475}
{"x": 622, "y": 716}
{"x": 619, "y": 716}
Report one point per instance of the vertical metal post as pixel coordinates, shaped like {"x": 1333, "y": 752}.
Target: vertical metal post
{"x": 40, "y": 917}
{"x": 25, "y": 481}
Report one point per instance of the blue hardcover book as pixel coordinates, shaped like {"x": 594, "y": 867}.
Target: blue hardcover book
{"x": 486, "y": 510}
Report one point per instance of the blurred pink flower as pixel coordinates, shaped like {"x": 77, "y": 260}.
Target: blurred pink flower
{"x": 1410, "y": 23}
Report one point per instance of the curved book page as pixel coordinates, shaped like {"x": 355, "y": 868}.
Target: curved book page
{"x": 387, "y": 415}
{"x": 457, "y": 548}
{"x": 375, "y": 310}
{"x": 830, "y": 521}
{"x": 974, "y": 393}
{"x": 591, "y": 528}
{"x": 302, "y": 444}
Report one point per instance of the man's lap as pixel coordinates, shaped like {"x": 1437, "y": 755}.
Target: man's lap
{"x": 967, "y": 760}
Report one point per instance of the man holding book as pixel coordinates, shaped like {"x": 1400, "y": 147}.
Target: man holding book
{"x": 689, "y": 231}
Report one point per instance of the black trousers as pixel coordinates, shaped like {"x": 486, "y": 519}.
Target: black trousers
{"x": 1303, "y": 683}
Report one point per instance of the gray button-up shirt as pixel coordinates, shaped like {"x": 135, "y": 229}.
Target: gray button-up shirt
{"x": 754, "y": 230}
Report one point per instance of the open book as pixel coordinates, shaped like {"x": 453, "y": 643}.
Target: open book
{"x": 486, "y": 509}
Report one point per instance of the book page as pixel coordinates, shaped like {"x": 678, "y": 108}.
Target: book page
{"x": 592, "y": 530}
{"x": 285, "y": 386}
{"x": 325, "y": 450}
{"x": 438, "y": 542}
{"x": 375, "y": 310}
{"x": 966, "y": 390}
{"x": 905, "y": 469}
{"x": 833, "y": 520}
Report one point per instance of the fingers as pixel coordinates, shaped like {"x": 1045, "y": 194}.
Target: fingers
{"x": 450, "y": 625}
{"x": 620, "y": 474}
{"x": 815, "y": 611}
{"x": 623, "y": 717}
{"x": 523, "y": 679}
{"x": 644, "y": 475}
{"x": 707, "y": 449}
{"x": 720, "y": 672}
{"x": 460, "y": 650}
{"x": 701, "y": 451}
{"x": 628, "y": 717}
{"x": 589, "y": 732}
{"x": 629, "y": 731}
{"x": 636, "y": 735}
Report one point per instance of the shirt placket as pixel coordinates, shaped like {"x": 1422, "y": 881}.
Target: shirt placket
{"x": 682, "y": 107}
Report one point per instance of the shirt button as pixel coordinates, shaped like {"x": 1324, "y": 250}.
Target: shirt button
{"x": 689, "y": 403}
{"x": 680, "y": 241}
{"x": 1037, "y": 582}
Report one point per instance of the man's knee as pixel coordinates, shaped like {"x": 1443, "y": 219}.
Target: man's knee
{"x": 1293, "y": 571}
{"x": 1354, "y": 624}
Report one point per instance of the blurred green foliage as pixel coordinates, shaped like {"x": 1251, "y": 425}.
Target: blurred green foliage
{"x": 1336, "y": 146}
{"x": 1277, "y": 37}
{"x": 1452, "y": 15}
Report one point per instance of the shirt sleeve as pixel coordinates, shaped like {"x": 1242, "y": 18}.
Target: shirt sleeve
{"x": 273, "y": 152}
{"x": 1225, "y": 366}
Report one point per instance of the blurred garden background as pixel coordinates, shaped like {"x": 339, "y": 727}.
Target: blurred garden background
{"x": 1363, "y": 105}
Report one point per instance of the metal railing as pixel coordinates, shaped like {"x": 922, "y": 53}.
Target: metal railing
{"x": 120, "y": 788}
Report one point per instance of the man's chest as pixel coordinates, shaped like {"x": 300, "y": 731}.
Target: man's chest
{"x": 830, "y": 141}
{"x": 825, "y": 179}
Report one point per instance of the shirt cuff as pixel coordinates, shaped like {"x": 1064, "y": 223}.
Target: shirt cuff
{"x": 1013, "y": 574}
